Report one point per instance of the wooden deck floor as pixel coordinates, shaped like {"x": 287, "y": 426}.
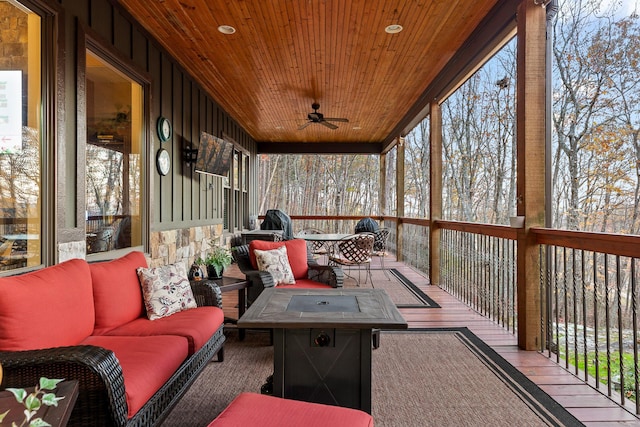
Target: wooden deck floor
{"x": 587, "y": 404}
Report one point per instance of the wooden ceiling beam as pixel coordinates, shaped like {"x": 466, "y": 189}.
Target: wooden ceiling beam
{"x": 328, "y": 147}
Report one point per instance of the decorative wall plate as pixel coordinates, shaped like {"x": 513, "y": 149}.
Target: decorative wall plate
{"x": 164, "y": 129}
{"x": 163, "y": 161}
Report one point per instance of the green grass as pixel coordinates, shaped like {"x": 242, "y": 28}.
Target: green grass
{"x": 627, "y": 358}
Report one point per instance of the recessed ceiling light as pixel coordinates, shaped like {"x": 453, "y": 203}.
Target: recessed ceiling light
{"x": 393, "y": 28}
{"x": 356, "y": 128}
{"x": 226, "y": 29}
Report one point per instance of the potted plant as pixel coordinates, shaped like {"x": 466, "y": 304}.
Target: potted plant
{"x": 217, "y": 260}
{"x": 42, "y": 395}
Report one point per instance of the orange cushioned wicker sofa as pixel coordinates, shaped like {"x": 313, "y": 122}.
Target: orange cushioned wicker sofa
{"x": 88, "y": 322}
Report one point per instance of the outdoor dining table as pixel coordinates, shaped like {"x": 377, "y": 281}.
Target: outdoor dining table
{"x": 324, "y": 237}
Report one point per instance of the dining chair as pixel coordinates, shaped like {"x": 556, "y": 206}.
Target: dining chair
{"x": 315, "y": 247}
{"x": 380, "y": 247}
{"x": 354, "y": 250}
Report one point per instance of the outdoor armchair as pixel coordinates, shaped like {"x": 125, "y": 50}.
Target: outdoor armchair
{"x": 307, "y": 272}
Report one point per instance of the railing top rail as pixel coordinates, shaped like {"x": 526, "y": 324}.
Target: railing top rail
{"x": 502, "y": 231}
{"x": 608, "y": 243}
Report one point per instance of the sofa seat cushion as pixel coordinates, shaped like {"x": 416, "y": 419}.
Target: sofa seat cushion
{"x": 117, "y": 292}
{"x": 196, "y": 325}
{"x": 305, "y": 284}
{"x": 52, "y": 307}
{"x": 252, "y": 409}
{"x": 296, "y": 252}
{"x": 147, "y": 363}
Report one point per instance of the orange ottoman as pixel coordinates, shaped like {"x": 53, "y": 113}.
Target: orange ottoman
{"x": 253, "y": 409}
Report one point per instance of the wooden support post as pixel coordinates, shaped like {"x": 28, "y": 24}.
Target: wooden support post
{"x": 382, "y": 198}
{"x": 530, "y": 132}
{"x": 435, "y": 182}
{"x": 399, "y": 196}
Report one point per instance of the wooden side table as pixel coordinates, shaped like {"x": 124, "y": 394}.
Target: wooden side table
{"x": 57, "y": 416}
{"x": 227, "y": 284}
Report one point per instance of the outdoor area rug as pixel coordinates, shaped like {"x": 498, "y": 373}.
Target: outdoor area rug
{"x": 400, "y": 289}
{"x": 428, "y": 377}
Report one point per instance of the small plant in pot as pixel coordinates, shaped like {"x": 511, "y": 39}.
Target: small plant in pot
{"x": 217, "y": 260}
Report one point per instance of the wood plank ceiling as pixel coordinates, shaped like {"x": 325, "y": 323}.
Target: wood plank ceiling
{"x": 287, "y": 54}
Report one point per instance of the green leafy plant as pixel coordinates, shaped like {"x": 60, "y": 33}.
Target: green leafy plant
{"x": 33, "y": 402}
{"x": 218, "y": 259}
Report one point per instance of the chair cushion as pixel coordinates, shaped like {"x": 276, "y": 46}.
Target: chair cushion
{"x": 116, "y": 291}
{"x": 197, "y": 326}
{"x": 147, "y": 363}
{"x": 51, "y": 307}
{"x": 166, "y": 290}
{"x": 252, "y": 409}
{"x": 296, "y": 252}
{"x": 275, "y": 261}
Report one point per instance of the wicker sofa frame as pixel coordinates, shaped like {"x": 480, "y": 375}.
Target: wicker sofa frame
{"x": 101, "y": 398}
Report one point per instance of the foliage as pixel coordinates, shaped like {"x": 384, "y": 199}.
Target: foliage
{"x": 219, "y": 258}
{"x": 33, "y": 402}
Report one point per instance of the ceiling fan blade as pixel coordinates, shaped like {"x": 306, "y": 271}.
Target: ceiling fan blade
{"x": 329, "y": 125}
{"x": 304, "y": 125}
{"x": 333, "y": 119}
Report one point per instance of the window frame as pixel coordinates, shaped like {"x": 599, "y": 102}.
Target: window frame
{"x": 52, "y": 121}
{"x": 89, "y": 40}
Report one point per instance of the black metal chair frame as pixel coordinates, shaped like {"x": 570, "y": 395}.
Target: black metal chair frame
{"x": 380, "y": 247}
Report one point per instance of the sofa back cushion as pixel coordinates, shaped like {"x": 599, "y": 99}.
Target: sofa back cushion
{"x": 296, "y": 252}
{"x": 47, "y": 308}
{"x": 116, "y": 291}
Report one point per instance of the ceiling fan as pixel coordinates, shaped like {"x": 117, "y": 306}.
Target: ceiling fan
{"x": 316, "y": 117}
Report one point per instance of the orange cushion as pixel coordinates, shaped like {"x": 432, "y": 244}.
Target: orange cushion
{"x": 51, "y": 307}
{"x": 147, "y": 363}
{"x": 252, "y": 409}
{"x": 196, "y": 325}
{"x": 296, "y": 252}
{"x": 117, "y": 292}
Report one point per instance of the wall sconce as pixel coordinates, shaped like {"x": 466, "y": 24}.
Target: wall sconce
{"x": 189, "y": 155}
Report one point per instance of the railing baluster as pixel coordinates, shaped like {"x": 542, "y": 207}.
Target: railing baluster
{"x": 634, "y": 315}
{"x": 565, "y": 310}
{"x": 620, "y": 344}
{"x": 556, "y": 305}
{"x": 584, "y": 316}
{"x": 607, "y": 321}
{"x": 574, "y": 305}
{"x": 595, "y": 319}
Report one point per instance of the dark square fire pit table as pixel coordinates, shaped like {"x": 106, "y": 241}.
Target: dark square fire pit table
{"x": 322, "y": 341}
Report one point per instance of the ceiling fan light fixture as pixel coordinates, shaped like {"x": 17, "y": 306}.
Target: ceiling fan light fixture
{"x": 393, "y": 28}
{"x": 226, "y": 29}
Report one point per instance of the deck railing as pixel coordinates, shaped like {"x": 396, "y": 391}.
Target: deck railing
{"x": 478, "y": 265}
{"x": 590, "y": 282}
{"x": 588, "y": 285}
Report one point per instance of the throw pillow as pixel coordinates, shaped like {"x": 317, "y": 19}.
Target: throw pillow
{"x": 276, "y": 262}
{"x": 296, "y": 252}
{"x": 165, "y": 290}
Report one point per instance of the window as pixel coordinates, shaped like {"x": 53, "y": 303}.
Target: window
{"x": 236, "y": 198}
{"x": 114, "y": 109}
{"x": 21, "y": 141}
